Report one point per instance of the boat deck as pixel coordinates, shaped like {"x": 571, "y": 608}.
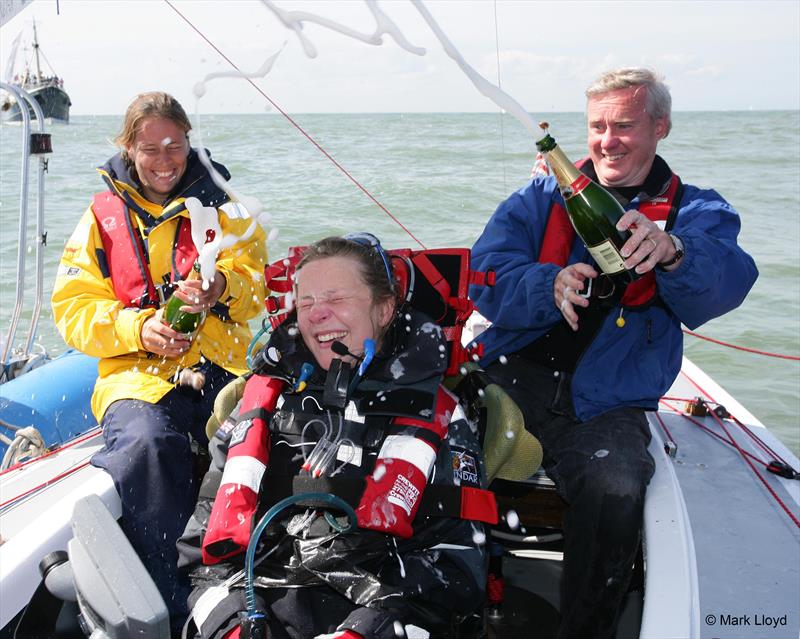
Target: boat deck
{"x": 728, "y": 551}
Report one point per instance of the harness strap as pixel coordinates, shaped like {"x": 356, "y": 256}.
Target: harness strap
{"x": 481, "y": 278}
{"x": 432, "y": 274}
{"x": 124, "y": 257}
{"x": 458, "y": 502}
{"x": 256, "y": 413}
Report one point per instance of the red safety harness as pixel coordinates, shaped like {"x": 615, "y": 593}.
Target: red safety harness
{"x": 559, "y": 236}
{"x": 434, "y": 281}
{"x": 124, "y": 257}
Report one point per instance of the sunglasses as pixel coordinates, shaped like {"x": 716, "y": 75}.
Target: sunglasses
{"x": 369, "y": 240}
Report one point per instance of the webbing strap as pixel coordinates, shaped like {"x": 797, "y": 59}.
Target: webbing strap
{"x": 432, "y": 274}
{"x": 459, "y": 502}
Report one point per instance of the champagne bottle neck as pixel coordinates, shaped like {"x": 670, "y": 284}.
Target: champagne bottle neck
{"x": 194, "y": 273}
{"x": 570, "y": 180}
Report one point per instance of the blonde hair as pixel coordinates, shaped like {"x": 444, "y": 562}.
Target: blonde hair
{"x": 155, "y": 104}
{"x": 658, "y": 103}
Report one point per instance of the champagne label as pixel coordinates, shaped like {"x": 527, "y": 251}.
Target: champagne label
{"x": 607, "y": 257}
{"x": 580, "y": 183}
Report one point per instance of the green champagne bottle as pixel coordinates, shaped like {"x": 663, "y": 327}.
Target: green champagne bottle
{"x": 593, "y": 211}
{"x": 179, "y": 320}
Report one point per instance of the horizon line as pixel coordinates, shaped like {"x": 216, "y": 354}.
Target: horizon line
{"x": 277, "y": 113}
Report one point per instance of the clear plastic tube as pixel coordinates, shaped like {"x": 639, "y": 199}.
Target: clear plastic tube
{"x": 332, "y": 500}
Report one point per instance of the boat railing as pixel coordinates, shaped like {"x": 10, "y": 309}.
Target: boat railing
{"x": 32, "y": 144}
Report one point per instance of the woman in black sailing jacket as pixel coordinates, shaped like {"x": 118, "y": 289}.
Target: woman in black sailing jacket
{"x": 385, "y": 436}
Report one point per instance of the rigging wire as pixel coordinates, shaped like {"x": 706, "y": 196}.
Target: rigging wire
{"x": 297, "y": 126}
{"x": 741, "y": 348}
{"x": 500, "y": 86}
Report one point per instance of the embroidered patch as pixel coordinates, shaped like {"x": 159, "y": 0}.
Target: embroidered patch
{"x": 403, "y": 494}
{"x": 227, "y": 426}
{"x": 240, "y": 432}
{"x": 465, "y": 468}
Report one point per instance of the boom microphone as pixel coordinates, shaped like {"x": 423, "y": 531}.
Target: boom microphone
{"x": 340, "y": 349}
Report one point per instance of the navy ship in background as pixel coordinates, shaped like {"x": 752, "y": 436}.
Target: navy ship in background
{"x": 47, "y": 90}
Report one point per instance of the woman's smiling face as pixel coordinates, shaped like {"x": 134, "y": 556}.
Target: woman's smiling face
{"x": 159, "y": 153}
{"x": 335, "y": 304}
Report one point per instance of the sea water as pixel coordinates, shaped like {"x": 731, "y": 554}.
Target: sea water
{"x": 442, "y": 175}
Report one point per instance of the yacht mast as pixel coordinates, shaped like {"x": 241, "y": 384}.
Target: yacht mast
{"x": 36, "y": 51}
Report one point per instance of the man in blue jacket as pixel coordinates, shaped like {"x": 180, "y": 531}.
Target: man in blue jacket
{"x": 585, "y": 359}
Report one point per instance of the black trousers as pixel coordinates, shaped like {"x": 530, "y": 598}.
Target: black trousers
{"x": 601, "y": 468}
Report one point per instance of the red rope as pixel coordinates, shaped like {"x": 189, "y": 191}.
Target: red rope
{"x": 764, "y": 446}
{"x": 44, "y": 484}
{"x": 665, "y": 429}
{"x": 745, "y": 455}
{"x": 759, "y": 442}
{"x": 701, "y": 425}
{"x": 755, "y": 470}
{"x": 298, "y": 127}
{"x": 741, "y": 348}
{"x": 93, "y": 433}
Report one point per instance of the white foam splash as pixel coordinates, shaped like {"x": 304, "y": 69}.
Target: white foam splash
{"x": 294, "y": 20}
{"x": 494, "y": 93}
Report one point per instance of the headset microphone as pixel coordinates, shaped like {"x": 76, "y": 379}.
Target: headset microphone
{"x": 340, "y": 349}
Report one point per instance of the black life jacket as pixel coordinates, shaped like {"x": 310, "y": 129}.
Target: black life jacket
{"x": 458, "y": 486}
{"x": 383, "y": 404}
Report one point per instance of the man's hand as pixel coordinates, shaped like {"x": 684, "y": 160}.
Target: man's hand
{"x": 161, "y": 339}
{"x": 199, "y": 300}
{"x": 647, "y": 246}
{"x": 569, "y": 281}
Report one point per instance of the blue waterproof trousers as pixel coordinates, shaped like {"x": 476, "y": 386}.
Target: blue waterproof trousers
{"x": 147, "y": 452}
{"x": 601, "y": 468}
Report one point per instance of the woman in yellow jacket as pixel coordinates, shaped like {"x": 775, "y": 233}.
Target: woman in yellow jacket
{"x": 132, "y": 249}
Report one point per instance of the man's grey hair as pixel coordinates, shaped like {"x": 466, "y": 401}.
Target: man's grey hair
{"x": 659, "y": 101}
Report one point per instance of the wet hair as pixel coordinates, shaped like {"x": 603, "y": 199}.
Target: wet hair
{"x": 370, "y": 261}
{"x": 155, "y": 104}
{"x": 658, "y": 103}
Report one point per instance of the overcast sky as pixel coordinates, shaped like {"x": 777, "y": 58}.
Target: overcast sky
{"x": 714, "y": 55}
